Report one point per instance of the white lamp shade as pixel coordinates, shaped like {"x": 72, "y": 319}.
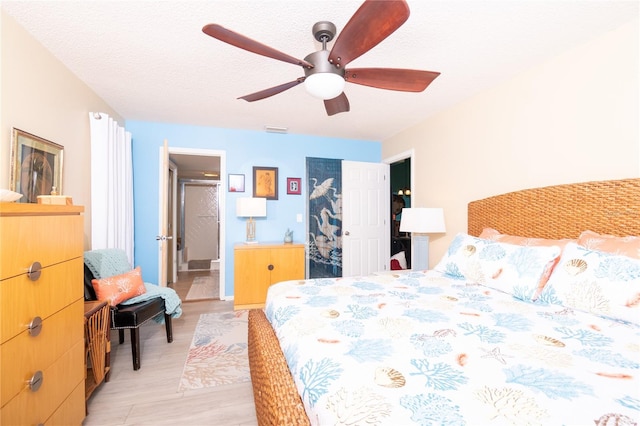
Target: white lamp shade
{"x": 324, "y": 85}
{"x": 422, "y": 220}
{"x": 251, "y": 207}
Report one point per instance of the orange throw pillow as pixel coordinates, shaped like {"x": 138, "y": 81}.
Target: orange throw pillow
{"x": 623, "y": 246}
{"x": 494, "y": 235}
{"x": 118, "y": 288}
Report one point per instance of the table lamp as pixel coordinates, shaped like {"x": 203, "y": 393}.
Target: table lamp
{"x": 251, "y": 207}
{"x": 421, "y": 221}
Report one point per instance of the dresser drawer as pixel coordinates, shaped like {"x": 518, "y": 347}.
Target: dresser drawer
{"x": 22, "y": 299}
{"x": 72, "y": 410}
{"x": 44, "y": 239}
{"x": 25, "y": 354}
{"x": 60, "y": 379}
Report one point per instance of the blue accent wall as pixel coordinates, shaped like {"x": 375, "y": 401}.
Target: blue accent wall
{"x": 244, "y": 149}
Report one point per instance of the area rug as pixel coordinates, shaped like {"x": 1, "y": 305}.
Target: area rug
{"x": 203, "y": 288}
{"x": 218, "y": 353}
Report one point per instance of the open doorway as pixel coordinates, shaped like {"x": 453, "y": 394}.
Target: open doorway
{"x": 401, "y": 187}
{"x": 199, "y": 217}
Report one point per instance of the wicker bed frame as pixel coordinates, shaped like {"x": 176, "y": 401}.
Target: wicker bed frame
{"x": 561, "y": 211}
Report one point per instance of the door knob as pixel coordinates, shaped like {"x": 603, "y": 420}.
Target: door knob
{"x": 346, "y": 233}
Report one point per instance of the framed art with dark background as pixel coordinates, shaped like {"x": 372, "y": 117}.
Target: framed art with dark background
{"x": 36, "y": 166}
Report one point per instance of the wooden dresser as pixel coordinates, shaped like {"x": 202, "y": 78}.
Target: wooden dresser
{"x": 42, "y": 364}
{"x": 257, "y": 266}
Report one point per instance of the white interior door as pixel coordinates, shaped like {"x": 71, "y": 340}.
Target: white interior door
{"x": 365, "y": 218}
{"x": 172, "y": 194}
{"x": 163, "y": 235}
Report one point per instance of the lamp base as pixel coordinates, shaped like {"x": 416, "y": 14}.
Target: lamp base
{"x": 251, "y": 231}
{"x": 420, "y": 252}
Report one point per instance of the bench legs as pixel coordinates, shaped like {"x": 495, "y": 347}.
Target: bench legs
{"x": 169, "y": 327}
{"x": 135, "y": 340}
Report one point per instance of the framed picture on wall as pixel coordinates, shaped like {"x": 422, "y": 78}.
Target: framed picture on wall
{"x": 236, "y": 183}
{"x": 265, "y": 182}
{"x": 36, "y": 166}
{"x": 294, "y": 186}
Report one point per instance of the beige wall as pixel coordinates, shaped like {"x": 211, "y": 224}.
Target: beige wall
{"x": 571, "y": 119}
{"x": 41, "y": 96}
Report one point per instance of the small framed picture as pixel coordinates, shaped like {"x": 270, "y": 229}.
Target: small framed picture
{"x": 236, "y": 183}
{"x": 294, "y": 186}
{"x": 265, "y": 182}
{"x": 36, "y": 166}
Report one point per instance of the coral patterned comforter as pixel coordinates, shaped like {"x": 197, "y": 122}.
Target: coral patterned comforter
{"x": 422, "y": 348}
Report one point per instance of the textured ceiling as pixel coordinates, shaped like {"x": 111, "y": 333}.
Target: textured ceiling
{"x": 150, "y": 61}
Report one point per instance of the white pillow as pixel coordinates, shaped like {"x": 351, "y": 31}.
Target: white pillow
{"x": 7, "y": 196}
{"x": 513, "y": 269}
{"x": 401, "y": 258}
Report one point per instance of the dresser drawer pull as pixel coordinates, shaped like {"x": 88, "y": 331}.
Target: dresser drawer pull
{"x": 35, "y": 326}
{"x": 36, "y": 381}
{"x": 34, "y": 271}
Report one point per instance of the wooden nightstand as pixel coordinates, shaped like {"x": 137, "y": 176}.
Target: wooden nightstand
{"x": 257, "y": 266}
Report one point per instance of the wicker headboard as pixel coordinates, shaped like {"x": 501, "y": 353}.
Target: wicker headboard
{"x": 561, "y": 211}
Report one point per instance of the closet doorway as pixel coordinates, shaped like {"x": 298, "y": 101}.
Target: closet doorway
{"x": 401, "y": 190}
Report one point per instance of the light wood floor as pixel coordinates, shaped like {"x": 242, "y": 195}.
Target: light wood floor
{"x": 150, "y": 395}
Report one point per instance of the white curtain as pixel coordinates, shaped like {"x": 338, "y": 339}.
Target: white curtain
{"x": 111, "y": 185}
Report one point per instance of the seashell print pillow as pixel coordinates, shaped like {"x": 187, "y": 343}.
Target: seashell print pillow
{"x": 513, "y": 269}
{"x": 593, "y": 281}
{"x": 494, "y": 235}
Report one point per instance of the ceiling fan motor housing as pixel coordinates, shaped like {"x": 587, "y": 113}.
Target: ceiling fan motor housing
{"x": 320, "y": 61}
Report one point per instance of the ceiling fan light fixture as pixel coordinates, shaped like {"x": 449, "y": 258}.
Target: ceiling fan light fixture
{"x": 324, "y": 85}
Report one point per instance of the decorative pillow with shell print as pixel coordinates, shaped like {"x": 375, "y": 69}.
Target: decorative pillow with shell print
{"x": 513, "y": 269}
{"x": 593, "y": 281}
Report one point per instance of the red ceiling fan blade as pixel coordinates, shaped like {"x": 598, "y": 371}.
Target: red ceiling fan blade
{"x": 374, "y": 21}
{"x": 337, "y": 105}
{"x": 391, "y": 78}
{"x": 271, "y": 91}
{"x": 238, "y": 40}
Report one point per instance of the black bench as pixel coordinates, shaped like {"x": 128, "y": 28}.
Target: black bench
{"x": 131, "y": 317}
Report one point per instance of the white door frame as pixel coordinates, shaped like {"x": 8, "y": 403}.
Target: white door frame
{"x": 403, "y": 156}
{"x": 223, "y": 184}
{"x": 410, "y": 154}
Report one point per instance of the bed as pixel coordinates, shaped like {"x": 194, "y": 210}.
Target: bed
{"x": 476, "y": 340}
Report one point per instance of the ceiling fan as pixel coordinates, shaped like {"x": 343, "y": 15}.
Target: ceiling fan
{"x": 324, "y": 71}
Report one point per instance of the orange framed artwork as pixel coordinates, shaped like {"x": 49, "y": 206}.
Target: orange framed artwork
{"x": 265, "y": 182}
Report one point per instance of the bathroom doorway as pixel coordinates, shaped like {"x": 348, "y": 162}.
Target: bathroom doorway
{"x": 199, "y": 217}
